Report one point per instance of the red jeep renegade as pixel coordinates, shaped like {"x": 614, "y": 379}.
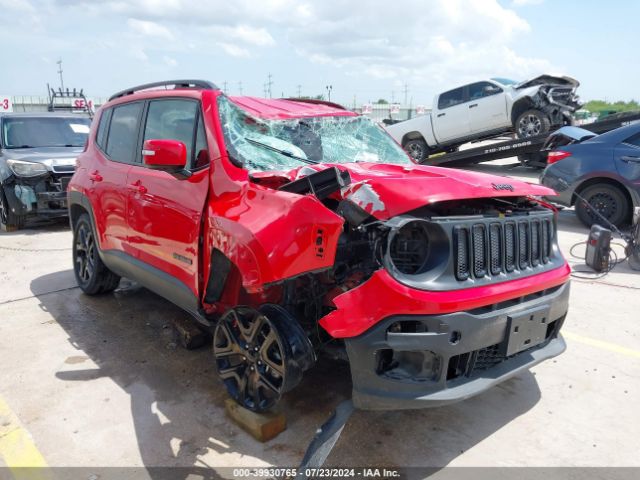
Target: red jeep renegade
{"x": 289, "y": 225}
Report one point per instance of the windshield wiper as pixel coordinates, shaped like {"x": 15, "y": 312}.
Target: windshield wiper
{"x": 285, "y": 153}
{"x": 20, "y": 146}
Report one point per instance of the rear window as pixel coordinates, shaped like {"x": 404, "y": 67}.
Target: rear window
{"x": 34, "y": 132}
{"x": 123, "y": 132}
{"x": 451, "y": 98}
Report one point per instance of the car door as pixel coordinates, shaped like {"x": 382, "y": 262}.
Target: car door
{"x": 487, "y": 107}
{"x": 117, "y": 138}
{"x": 165, "y": 210}
{"x": 627, "y": 159}
{"x": 451, "y": 117}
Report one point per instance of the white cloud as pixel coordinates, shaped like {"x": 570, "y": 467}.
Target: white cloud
{"x": 170, "y": 62}
{"x": 149, "y": 29}
{"x": 16, "y": 5}
{"x": 257, "y": 37}
{"x": 138, "y": 54}
{"x": 234, "y": 50}
{"x": 520, "y": 3}
{"x": 434, "y": 42}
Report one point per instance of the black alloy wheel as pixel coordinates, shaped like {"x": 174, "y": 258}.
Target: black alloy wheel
{"x": 85, "y": 254}
{"x": 250, "y": 356}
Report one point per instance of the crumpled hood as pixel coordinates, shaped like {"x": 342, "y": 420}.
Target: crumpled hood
{"x": 385, "y": 190}
{"x": 50, "y": 156}
{"x": 549, "y": 80}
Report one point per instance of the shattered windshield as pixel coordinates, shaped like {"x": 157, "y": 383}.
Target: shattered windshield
{"x": 265, "y": 144}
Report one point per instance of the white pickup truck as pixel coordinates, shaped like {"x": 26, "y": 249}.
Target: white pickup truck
{"x": 488, "y": 108}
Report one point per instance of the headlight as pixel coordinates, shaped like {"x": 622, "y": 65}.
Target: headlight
{"x": 26, "y": 169}
{"x": 409, "y": 248}
{"x": 417, "y": 251}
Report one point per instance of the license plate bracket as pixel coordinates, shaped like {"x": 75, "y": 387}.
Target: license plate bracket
{"x": 526, "y": 329}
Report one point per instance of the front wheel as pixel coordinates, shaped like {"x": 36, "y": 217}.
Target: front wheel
{"x": 532, "y": 123}
{"x": 417, "y": 149}
{"x": 92, "y": 275}
{"x": 608, "y": 200}
{"x": 260, "y": 354}
{"x": 8, "y": 219}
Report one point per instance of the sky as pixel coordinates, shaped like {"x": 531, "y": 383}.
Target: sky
{"x": 365, "y": 50}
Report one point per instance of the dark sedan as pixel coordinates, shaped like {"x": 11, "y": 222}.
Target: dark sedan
{"x": 603, "y": 169}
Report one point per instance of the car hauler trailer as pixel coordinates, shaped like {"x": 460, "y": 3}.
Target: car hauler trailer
{"x": 530, "y": 151}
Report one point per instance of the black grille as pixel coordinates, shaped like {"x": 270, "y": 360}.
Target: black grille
{"x": 488, "y": 357}
{"x": 495, "y": 249}
{"x": 461, "y": 238}
{"x": 483, "y": 250}
{"x": 509, "y": 247}
{"x": 479, "y": 252}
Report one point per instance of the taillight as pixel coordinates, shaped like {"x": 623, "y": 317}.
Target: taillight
{"x": 556, "y": 155}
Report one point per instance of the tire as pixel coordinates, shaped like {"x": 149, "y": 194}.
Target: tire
{"x": 532, "y": 123}
{"x": 607, "y": 199}
{"x": 417, "y": 149}
{"x": 92, "y": 275}
{"x": 8, "y": 219}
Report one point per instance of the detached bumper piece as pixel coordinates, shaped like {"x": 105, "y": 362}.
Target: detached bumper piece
{"x": 418, "y": 361}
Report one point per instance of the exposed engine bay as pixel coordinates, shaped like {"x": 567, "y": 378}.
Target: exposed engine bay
{"x": 416, "y": 247}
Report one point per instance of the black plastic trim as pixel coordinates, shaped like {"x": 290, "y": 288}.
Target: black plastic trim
{"x": 447, "y": 336}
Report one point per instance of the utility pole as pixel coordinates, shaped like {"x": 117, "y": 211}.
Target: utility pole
{"x": 240, "y": 87}
{"x": 224, "y": 87}
{"x": 329, "y": 88}
{"x": 299, "y": 91}
{"x": 269, "y": 85}
{"x": 264, "y": 90}
{"x": 393, "y": 96}
{"x": 406, "y": 91}
{"x": 59, "y": 62}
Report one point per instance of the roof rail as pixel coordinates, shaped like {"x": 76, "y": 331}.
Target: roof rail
{"x": 316, "y": 101}
{"x": 202, "y": 84}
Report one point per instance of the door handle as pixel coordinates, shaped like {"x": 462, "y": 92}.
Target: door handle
{"x": 138, "y": 187}
{"x": 95, "y": 176}
{"x": 441, "y": 114}
{"x": 473, "y": 105}
{"x": 630, "y": 159}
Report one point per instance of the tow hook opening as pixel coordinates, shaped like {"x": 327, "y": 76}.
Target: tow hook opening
{"x": 414, "y": 366}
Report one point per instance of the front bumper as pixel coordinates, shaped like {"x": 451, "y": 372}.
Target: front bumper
{"x": 562, "y": 183}
{"x": 417, "y": 361}
{"x": 44, "y": 196}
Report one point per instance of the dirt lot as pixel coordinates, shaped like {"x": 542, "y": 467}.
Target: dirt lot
{"x": 101, "y": 382}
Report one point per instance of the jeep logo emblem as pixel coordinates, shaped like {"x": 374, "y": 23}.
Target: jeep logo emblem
{"x": 502, "y": 186}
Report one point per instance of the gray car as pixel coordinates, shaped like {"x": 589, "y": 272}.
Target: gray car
{"x": 37, "y": 159}
{"x": 603, "y": 169}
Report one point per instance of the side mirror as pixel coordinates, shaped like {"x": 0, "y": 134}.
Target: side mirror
{"x": 169, "y": 155}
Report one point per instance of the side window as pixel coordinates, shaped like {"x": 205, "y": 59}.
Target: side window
{"x": 201, "y": 152}
{"x": 451, "y": 98}
{"x": 123, "y": 132}
{"x": 634, "y": 140}
{"x": 172, "y": 120}
{"x": 482, "y": 89}
{"x": 101, "y": 136}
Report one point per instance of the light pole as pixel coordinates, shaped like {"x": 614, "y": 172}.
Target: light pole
{"x": 329, "y": 88}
